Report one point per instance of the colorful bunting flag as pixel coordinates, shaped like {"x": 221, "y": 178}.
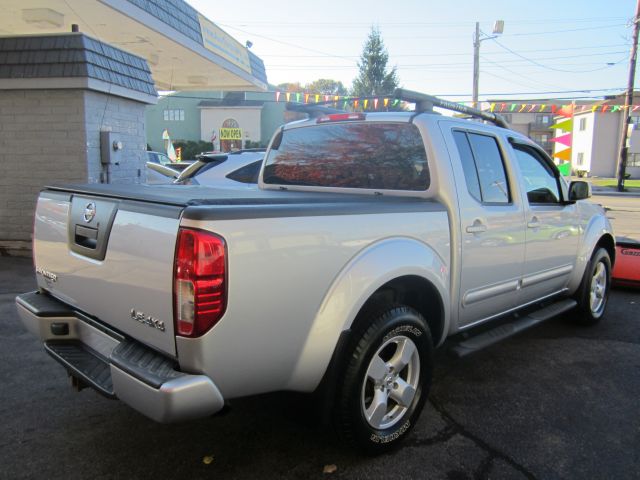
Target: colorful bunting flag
{"x": 565, "y": 125}
{"x": 563, "y": 139}
{"x": 563, "y": 154}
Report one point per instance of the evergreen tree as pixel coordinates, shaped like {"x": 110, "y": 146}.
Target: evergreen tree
{"x": 374, "y": 79}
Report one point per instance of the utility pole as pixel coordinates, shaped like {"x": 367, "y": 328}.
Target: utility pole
{"x": 476, "y": 65}
{"x": 628, "y": 101}
{"x": 498, "y": 28}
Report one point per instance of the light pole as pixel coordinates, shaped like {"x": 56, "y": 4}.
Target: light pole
{"x": 628, "y": 101}
{"x": 498, "y": 28}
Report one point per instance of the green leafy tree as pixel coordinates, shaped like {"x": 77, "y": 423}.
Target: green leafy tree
{"x": 374, "y": 78}
{"x": 290, "y": 87}
{"x": 326, "y": 86}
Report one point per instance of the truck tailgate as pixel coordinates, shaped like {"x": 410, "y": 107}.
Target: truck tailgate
{"x": 110, "y": 258}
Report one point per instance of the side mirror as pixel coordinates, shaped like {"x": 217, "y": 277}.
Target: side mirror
{"x": 579, "y": 190}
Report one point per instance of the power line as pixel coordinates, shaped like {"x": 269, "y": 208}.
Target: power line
{"x": 494, "y": 94}
{"x": 534, "y": 62}
{"x": 460, "y": 53}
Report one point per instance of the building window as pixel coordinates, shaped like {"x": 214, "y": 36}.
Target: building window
{"x": 176, "y": 115}
{"x": 544, "y": 119}
{"x": 635, "y": 120}
{"x": 583, "y": 124}
{"x": 541, "y": 138}
{"x": 580, "y": 158}
{"x": 633, "y": 159}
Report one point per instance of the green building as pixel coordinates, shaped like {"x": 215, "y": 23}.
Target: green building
{"x": 226, "y": 119}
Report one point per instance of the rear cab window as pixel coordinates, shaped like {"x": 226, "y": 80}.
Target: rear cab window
{"x": 366, "y": 155}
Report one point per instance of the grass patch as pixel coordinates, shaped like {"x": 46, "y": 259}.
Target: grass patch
{"x": 612, "y": 182}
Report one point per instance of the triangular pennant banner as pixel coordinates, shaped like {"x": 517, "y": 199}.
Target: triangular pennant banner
{"x": 565, "y": 125}
{"x": 566, "y": 111}
{"x": 277, "y": 96}
{"x": 563, "y": 154}
{"x": 563, "y": 139}
{"x": 386, "y": 102}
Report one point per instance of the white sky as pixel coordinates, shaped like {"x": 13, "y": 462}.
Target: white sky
{"x": 579, "y": 48}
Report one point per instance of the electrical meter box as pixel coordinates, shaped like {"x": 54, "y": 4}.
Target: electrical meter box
{"x": 110, "y": 148}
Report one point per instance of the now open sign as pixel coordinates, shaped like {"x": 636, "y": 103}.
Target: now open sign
{"x": 230, "y": 134}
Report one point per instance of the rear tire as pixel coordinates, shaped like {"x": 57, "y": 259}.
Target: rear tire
{"x": 383, "y": 385}
{"x": 593, "y": 294}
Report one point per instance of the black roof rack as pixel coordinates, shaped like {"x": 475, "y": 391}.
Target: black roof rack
{"x": 425, "y": 103}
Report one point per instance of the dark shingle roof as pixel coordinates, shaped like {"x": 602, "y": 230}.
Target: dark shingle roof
{"x": 73, "y": 55}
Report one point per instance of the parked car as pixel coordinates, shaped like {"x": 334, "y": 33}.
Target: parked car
{"x": 372, "y": 238}
{"x": 159, "y": 158}
{"x": 237, "y": 169}
{"x": 160, "y": 168}
{"x": 232, "y": 170}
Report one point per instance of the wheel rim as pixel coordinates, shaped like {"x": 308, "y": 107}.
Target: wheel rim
{"x": 598, "y": 290}
{"x": 391, "y": 382}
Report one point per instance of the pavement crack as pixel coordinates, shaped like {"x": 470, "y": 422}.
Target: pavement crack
{"x": 485, "y": 466}
{"x": 441, "y": 437}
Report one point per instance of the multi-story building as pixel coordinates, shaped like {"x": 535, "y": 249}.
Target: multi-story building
{"x": 596, "y": 135}
{"x": 534, "y": 124}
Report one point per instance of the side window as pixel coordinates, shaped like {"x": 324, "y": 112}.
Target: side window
{"x": 247, "y": 174}
{"x": 468, "y": 164}
{"x": 483, "y": 167}
{"x": 493, "y": 179}
{"x": 539, "y": 179}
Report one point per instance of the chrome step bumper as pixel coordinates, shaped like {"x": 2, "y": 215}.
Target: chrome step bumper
{"x": 117, "y": 366}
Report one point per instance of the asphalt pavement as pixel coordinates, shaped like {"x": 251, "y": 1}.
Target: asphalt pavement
{"x": 558, "y": 402}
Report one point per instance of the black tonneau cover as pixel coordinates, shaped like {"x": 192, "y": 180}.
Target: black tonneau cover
{"x": 231, "y": 204}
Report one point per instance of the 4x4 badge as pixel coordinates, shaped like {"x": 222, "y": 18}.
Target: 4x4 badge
{"x": 89, "y": 212}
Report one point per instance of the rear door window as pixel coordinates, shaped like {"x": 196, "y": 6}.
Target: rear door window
{"x": 371, "y": 155}
{"x": 483, "y": 167}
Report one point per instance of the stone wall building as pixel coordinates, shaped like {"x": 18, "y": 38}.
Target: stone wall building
{"x": 58, "y": 93}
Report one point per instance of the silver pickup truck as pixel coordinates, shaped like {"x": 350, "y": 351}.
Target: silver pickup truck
{"x": 372, "y": 239}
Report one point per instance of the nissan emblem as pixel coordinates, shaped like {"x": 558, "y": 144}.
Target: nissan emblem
{"x": 89, "y": 212}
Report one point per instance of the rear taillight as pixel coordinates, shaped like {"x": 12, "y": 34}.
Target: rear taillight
{"x": 200, "y": 282}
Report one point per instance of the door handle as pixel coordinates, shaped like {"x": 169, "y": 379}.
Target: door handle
{"x": 534, "y": 223}
{"x": 477, "y": 227}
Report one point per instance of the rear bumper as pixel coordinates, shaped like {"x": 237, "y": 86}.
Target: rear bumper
{"x": 117, "y": 366}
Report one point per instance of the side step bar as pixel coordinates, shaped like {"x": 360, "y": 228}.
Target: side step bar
{"x": 490, "y": 337}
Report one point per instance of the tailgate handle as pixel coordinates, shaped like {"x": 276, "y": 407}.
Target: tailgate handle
{"x": 86, "y": 237}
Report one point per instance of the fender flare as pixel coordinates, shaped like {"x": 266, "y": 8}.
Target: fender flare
{"x": 597, "y": 228}
{"x": 369, "y": 270}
